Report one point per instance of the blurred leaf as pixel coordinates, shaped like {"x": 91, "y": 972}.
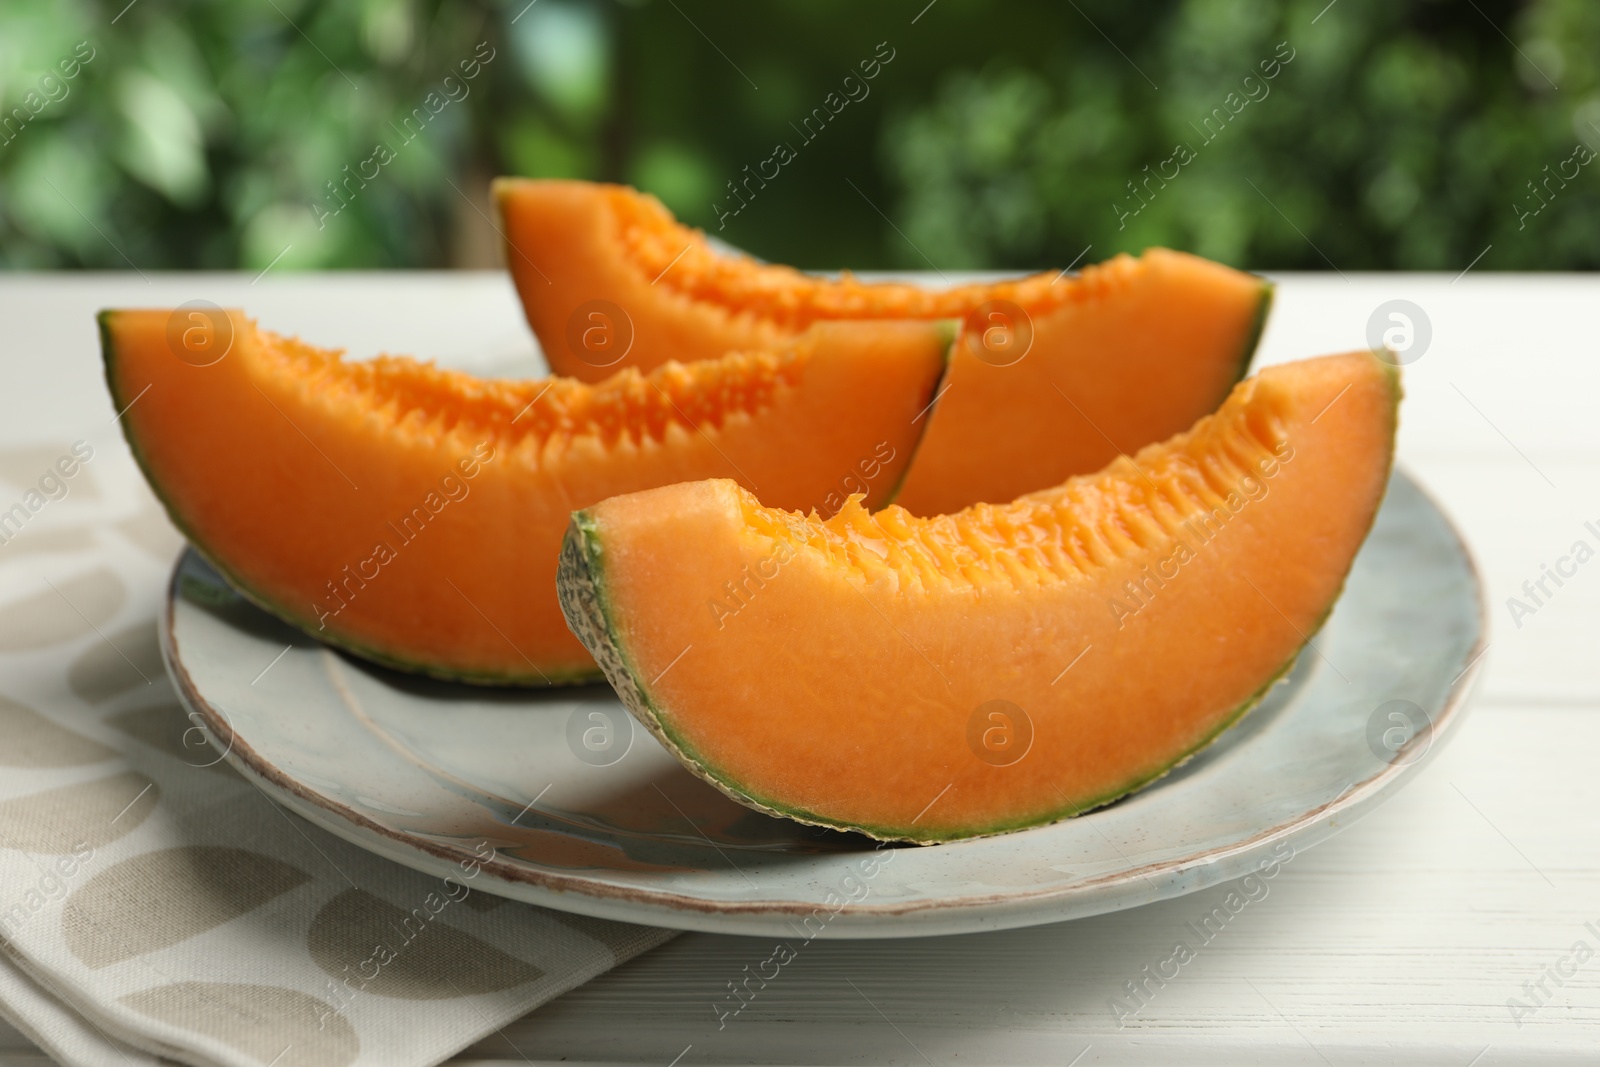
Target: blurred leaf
{"x": 562, "y": 49}
{"x": 681, "y": 178}
{"x": 1407, "y": 135}
{"x": 161, "y": 144}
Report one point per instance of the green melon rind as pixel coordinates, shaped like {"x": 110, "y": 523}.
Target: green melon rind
{"x": 1269, "y": 295}
{"x": 949, "y": 331}
{"x": 265, "y": 602}
{"x": 580, "y": 582}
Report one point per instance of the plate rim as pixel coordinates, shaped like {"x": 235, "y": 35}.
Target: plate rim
{"x": 995, "y": 910}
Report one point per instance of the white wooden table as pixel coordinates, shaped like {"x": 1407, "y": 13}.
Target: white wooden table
{"x": 1400, "y": 941}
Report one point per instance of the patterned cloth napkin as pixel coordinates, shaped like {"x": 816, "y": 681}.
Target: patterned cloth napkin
{"x": 153, "y": 904}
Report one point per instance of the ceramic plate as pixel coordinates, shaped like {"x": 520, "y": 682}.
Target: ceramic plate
{"x": 560, "y": 799}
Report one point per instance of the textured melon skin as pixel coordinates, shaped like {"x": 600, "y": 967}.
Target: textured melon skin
{"x": 590, "y": 612}
{"x": 902, "y": 352}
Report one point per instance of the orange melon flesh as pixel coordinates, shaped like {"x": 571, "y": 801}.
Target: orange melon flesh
{"x": 843, "y": 672}
{"x": 1084, "y": 391}
{"x": 414, "y": 515}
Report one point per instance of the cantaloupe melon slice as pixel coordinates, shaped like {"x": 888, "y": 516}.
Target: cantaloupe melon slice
{"x": 414, "y": 515}
{"x": 1055, "y": 375}
{"x": 1007, "y": 666}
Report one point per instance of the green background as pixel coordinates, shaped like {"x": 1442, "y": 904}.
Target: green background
{"x": 1402, "y": 135}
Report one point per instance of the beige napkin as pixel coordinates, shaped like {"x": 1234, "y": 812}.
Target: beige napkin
{"x": 152, "y": 902}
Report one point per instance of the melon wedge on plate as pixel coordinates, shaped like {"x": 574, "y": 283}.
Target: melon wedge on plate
{"x": 414, "y": 515}
{"x": 1055, "y": 375}
{"x": 1006, "y": 666}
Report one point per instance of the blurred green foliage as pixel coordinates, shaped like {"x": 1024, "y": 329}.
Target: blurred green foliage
{"x": 1412, "y": 134}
